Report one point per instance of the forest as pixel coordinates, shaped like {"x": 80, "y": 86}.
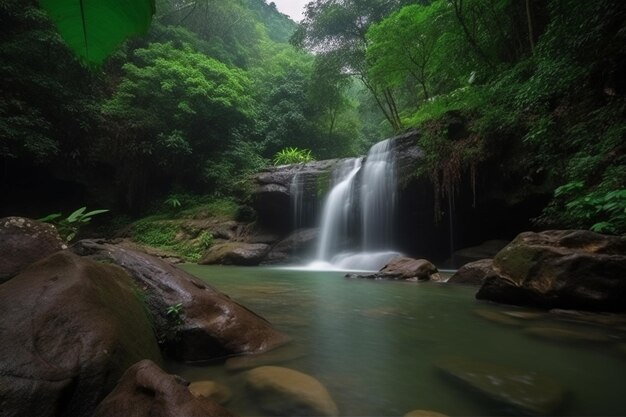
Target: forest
{"x": 393, "y": 208}
{"x": 216, "y": 90}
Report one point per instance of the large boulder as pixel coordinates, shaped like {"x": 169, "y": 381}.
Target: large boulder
{"x": 235, "y": 253}
{"x": 285, "y": 392}
{"x": 273, "y": 188}
{"x": 208, "y": 324}
{"x": 404, "y": 269}
{"x": 571, "y": 269}
{"x": 294, "y": 248}
{"x": 472, "y": 273}
{"x": 146, "y": 391}
{"x": 24, "y": 241}
{"x": 69, "y": 327}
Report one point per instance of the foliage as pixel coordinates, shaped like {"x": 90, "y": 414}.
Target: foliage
{"x": 94, "y": 29}
{"x": 292, "y": 156}
{"x": 70, "y": 226}
{"x": 174, "y": 314}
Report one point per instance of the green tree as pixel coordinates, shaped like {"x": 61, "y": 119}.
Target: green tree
{"x": 173, "y": 108}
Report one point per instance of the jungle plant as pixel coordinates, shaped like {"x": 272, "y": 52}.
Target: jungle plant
{"x": 292, "y": 155}
{"x": 69, "y": 227}
{"x": 174, "y": 314}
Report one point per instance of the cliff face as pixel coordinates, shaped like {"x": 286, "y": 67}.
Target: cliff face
{"x": 467, "y": 221}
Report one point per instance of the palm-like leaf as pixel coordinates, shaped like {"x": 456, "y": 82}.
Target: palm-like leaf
{"x": 94, "y": 28}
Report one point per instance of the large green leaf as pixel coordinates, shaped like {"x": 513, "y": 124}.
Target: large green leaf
{"x": 94, "y": 28}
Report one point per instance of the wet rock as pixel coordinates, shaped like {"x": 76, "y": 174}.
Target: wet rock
{"x": 212, "y": 324}
{"x": 212, "y": 390}
{"x": 526, "y": 392}
{"x": 497, "y": 317}
{"x": 235, "y": 253}
{"x": 277, "y": 356}
{"x": 424, "y": 413}
{"x": 472, "y": 273}
{"x": 567, "y": 335}
{"x": 67, "y": 337}
{"x": 570, "y": 269}
{"x": 487, "y": 249}
{"x": 525, "y": 315}
{"x": 272, "y": 194}
{"x": 602, "y": 319}
{"x": 146, "y": 391}
{"x": 285, "y": 392}
{"x": 293, "y": 248}
{"x": 24, "y": 241}
{"x": 404, "y": 269}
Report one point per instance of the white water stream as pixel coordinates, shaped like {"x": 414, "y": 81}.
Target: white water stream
{"x": 373, "y": 203}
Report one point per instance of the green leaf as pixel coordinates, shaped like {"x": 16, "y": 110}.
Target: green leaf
{"x": 76, "y": 215}
{"x": 94, "y": 212}
{"x": 94, "y": 28}
{"x": 50, "y": 217}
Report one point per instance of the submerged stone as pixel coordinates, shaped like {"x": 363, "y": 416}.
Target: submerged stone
{"x": 285, "y": 392}
{"x": 497, "y": 317}
{"x": 211, "y": 389}
{"x": 525, "y": 391}
{"x": 567, "y": 335}
{"x": 280, "y": 355}
{"x": 472, "y": 273}
{"x": 603, "y": 319}
{"x": 525, "y": 315}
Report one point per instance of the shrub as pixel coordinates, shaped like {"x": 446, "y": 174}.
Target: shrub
{"x": 292, "y": 156}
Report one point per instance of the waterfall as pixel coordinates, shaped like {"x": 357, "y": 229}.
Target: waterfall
{"x": 296, "y": 190}
{"x": 337, "y": 209}
{"x": 373, "y": 202}
{"x": 378, "y": 197}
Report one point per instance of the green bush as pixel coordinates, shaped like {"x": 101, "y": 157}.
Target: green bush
{"x": 292, "y": 156}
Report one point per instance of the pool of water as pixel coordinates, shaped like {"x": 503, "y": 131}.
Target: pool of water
{"x": 376, "y": 345}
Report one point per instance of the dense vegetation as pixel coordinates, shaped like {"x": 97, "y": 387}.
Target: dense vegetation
{"x": 538, "y": 88}
{"x": 218, "y": 89}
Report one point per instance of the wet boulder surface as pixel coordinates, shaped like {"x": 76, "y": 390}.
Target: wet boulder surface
{"x": 402, "y": 268}
{"x": 146, "y": 390}
{"x": 208, "y": 323}
{"x": 235, "y": 253}
{"x": 473, "y": 273}
{"x": 568, "y": 269}
{"x": 69, "y": 328}
{"x": 24, "y": 241}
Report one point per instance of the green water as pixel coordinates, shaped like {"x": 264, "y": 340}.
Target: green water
{"x": 375, "y": 345}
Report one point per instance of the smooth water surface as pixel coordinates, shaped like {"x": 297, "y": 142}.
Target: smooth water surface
{"x": 375, "y": 345}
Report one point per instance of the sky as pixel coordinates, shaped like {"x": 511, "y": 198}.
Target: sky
{"x": 292, "y": 8}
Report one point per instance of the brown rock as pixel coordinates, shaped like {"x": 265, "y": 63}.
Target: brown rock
{"x": 404, "y": 269}
{"x": 146, "y": 391}
{"x": 286, "y": 392}
{"x": 212, "y": 325}
{"x": 472, "y": 273}
{"x": 69, "y": 328}
{"x": 24, "y": 241}
{"x": 235, "y": 253}
{"x": 212, "y": 390}
{"x": 571, "y": 269}
{"x": 294, "y": 248}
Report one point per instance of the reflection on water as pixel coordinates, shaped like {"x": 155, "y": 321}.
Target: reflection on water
{"x": 376, "y": 345}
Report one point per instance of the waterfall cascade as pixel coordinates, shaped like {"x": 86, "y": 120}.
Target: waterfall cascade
{"x": 357, "y": 221}
{"x": 296, "y": 190}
